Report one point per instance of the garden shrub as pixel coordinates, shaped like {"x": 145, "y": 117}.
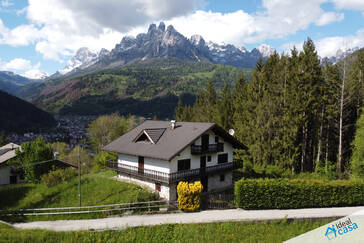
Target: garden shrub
{"x": 56, "y": 177}
{"x": 189, "y": 195}
{"x": 297, "y": 193}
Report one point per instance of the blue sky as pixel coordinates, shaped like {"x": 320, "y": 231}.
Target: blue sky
{"x": 42, "y": 35}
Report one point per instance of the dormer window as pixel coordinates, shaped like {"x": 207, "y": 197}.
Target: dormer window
{"x": 143, "y": 138}
{"x": 150, "y": 135}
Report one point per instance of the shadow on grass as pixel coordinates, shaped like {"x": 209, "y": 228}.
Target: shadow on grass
{"x": 11, "y": 194}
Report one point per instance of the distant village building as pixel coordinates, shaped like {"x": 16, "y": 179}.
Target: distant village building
{"x": 159, "y": 154}
{"x": 8, "y": 175}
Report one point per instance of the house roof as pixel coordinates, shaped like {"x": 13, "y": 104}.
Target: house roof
{"x": 167, "y": 142}
{"x": 8, "y": 152}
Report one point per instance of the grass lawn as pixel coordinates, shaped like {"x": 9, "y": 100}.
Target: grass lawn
{"x": 213, "y": 232}
{"x": 96, "y": 189}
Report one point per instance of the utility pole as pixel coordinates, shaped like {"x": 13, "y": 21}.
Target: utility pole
{"x": 79, "y": 177}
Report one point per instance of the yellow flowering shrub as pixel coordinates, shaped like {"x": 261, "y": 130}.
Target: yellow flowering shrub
{"x": 189, "y": 195}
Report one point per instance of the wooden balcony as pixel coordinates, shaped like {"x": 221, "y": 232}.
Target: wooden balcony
{"x": 158, "y": 176}
{"x": 211, "y": 148}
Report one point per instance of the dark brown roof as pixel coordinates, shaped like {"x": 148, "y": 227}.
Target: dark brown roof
{"x": 167, "y": 142}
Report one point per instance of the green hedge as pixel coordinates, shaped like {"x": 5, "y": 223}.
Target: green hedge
{"x": 285, "y": 193}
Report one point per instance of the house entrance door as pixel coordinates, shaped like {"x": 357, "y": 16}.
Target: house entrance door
{"x": 141, "y": 165}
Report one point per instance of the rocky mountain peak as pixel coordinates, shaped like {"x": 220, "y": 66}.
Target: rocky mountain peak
{"x": 152, "y": 28}
{"x": 265, "y": 50}
{"x": 162, "y": 27}
{"x": 103, "y": 52}
{"x": 171, "y": 29}
{"x": 197, "y": 40}
{"x": 162, "y": 42}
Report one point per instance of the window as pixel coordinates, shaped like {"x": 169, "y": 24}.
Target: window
{"x": 184, "y": 164}
{"x": 222, "y": 158}
{"x": 209, "y": 158}
{"x": 222, "y": 177}
{"x": 158, "y": 187}
{"x": 216, "y": 139}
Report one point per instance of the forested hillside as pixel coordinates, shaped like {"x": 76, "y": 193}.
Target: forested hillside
{"x": 17, "y": 115}
{"x": 145, "y": 88}
{"x": 295, "y": 113}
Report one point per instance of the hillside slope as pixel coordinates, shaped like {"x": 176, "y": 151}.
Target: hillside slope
{"x": 145, "y": 88}
{"x": 17, "y": 115}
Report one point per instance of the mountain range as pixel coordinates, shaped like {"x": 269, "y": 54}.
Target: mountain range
{"x": 162, "y": 42}
{"x": 11, "y": 82}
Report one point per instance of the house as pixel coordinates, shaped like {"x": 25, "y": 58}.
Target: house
{"x": 8, "y": 174}
{"x": 159, "y": 154}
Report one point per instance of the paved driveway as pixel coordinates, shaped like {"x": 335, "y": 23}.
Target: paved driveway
{"x": 187, "y": 218}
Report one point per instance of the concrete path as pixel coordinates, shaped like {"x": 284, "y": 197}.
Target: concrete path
{"x": 187, "y": 218}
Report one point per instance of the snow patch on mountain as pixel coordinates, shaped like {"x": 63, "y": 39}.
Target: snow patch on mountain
{"x": 84, "y": 57}
{"x": 36, "y": 74}
{"x": 266, "y": 50}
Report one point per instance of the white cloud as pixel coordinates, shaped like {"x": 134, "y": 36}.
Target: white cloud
{"x": 327, "y": 47}
{"x": 23, "y": 66}
{"x": 35, "y": 73}
{"x": 19, "y": 36}
{"x": 18, "y": 64}
{"x": 278, "y": 18}
{"x": 329, "y": 17}
{"x": 6, "y": 3}
{"x": 349, "y": 4}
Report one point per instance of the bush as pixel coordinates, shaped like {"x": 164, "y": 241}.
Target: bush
{"x": 256, "y": 171}
{"x": 56, "y": 177}
{"x": 285, "y": 193}
{"x": 189, "y": 195}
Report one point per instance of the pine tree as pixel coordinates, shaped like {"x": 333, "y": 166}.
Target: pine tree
{"x": 178, "y": 112}
{"x": 225, "y": 108}
{"x": 205, "y": 107}
{"x": 240, "y": 106}
{"x": 310, "y": 89}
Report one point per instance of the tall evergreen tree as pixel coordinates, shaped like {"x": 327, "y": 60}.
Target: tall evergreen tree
{"x": 310, "y": 89}
{"x": 225, "y": 108}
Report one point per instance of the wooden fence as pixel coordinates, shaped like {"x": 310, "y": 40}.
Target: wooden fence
{"x": 142, "y": 206}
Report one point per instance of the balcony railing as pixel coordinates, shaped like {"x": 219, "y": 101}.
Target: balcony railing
{"x": 171, "y": 177}
{"x": 211, "y": 148}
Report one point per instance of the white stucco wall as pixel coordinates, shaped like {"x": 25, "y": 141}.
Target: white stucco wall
{"x": 164, "y": 193}
{"x": 149, "y": 163}
{"x": 214, "y": 182}
{"x": 195, "y": 159}
{"x": 4, "y": 175}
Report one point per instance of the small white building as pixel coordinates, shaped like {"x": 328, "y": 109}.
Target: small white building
{"x": 8, "y": 174}
{"x": 159, "y": 154}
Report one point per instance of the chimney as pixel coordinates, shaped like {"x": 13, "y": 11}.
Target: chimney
{"x": 173, "y": 124}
